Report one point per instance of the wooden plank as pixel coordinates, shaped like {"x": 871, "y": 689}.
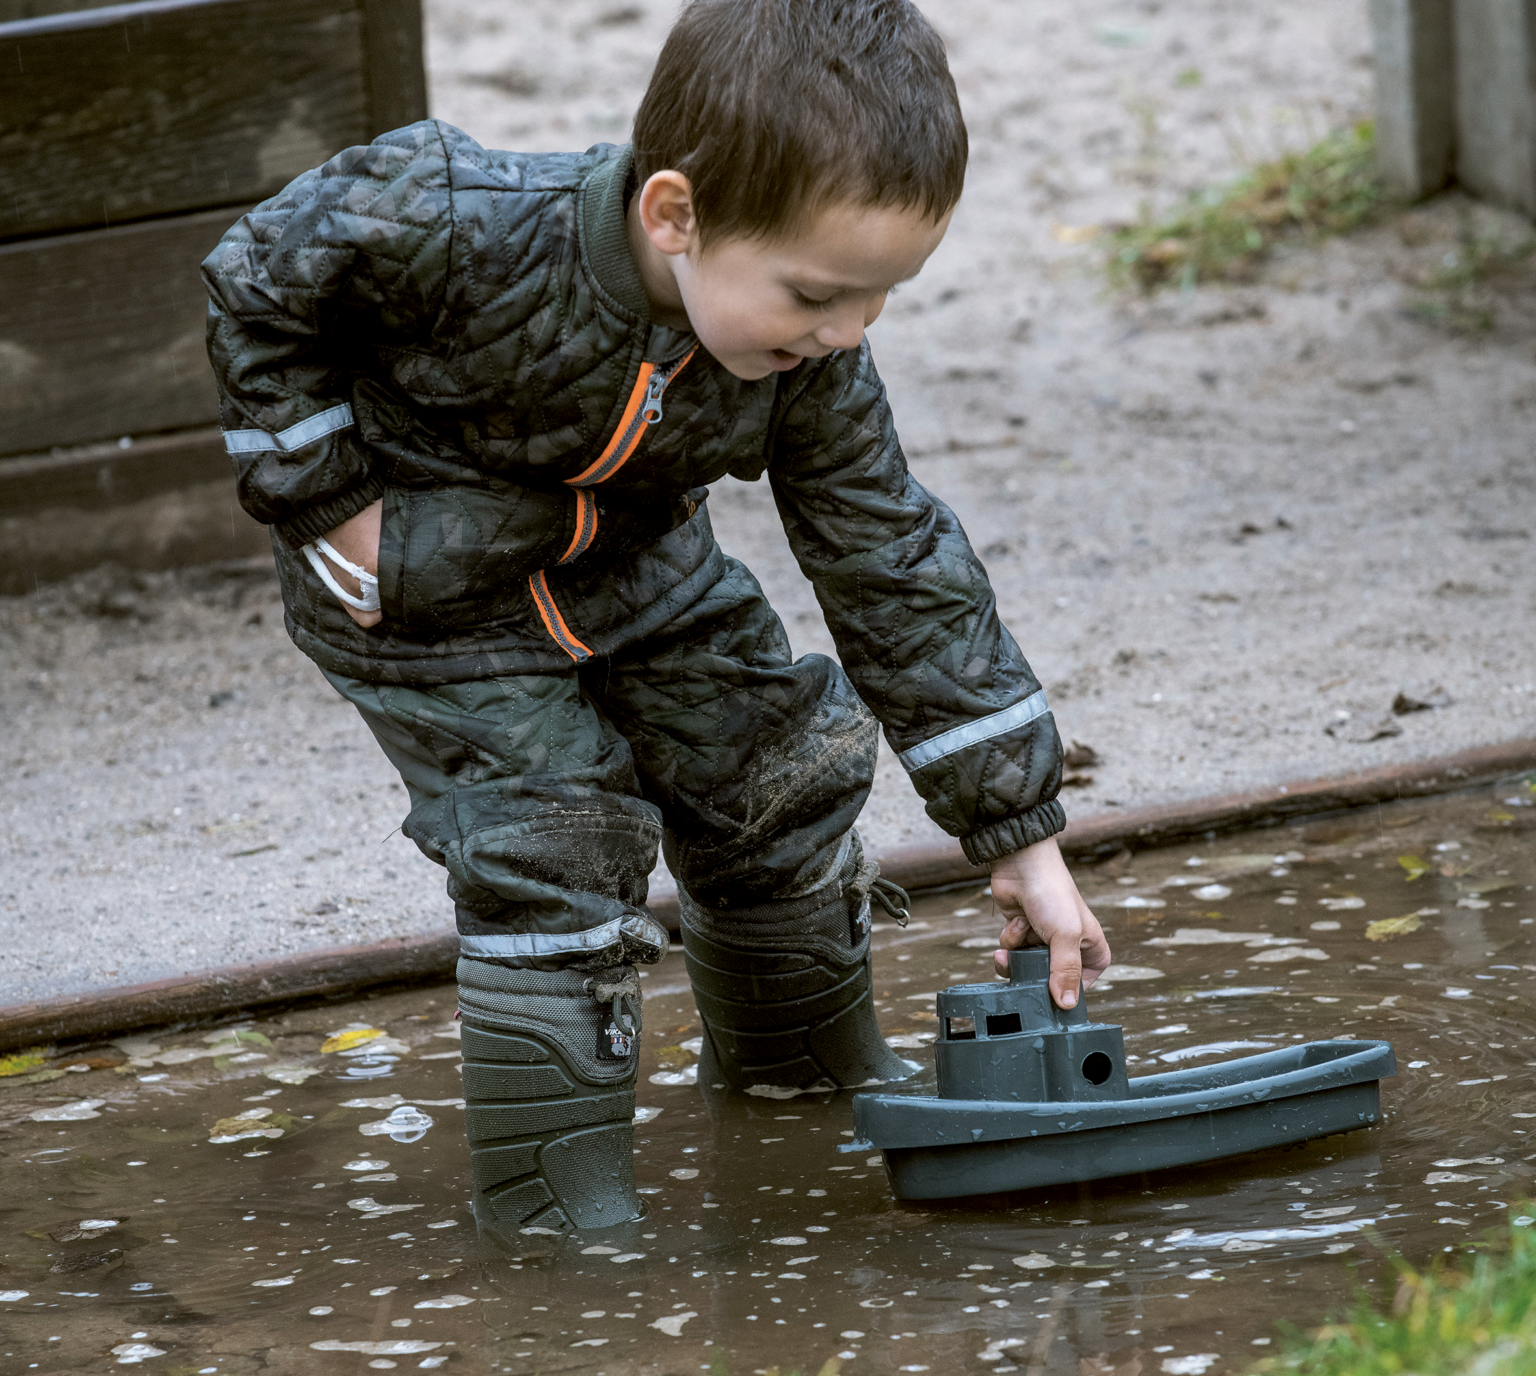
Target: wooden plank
{"x": 396, "y": 75}
{"x": 97, "y": 476}
{"x": 150, "y": 504}
{"x": 101, "y": 334}
{"x": 198, "y": 524}
{"x": 131, "y": 111}
{"x": 12, "y": 10}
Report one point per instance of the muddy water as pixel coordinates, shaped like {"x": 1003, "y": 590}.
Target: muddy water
{"x": 288, "y": 1193}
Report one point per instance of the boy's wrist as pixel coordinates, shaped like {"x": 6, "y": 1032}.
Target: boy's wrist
{"x": 322, "y": 518}
{"x": 991, "y": 843}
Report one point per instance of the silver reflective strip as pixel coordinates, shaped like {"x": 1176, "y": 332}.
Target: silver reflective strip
{"x": 974, "y": 732}
{"x": 317, "y": 427}
{"x": 515, "y": 944}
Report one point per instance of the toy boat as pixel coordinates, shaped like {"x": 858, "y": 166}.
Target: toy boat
{"x": 1030, "y": 1095}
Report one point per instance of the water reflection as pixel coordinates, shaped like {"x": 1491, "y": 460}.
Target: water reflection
{"x": 233, "y": 1200}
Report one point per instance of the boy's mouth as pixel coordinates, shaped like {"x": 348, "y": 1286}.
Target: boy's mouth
{"x": 783, "y": 360}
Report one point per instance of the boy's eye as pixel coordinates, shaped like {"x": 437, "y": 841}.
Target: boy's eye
{"x": 810, "y": 303}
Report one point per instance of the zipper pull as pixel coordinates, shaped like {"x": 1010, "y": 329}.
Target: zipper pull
{"x": 650, "y": 408}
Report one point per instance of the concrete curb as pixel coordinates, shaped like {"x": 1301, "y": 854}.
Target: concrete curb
{"x": 341, "y": 972}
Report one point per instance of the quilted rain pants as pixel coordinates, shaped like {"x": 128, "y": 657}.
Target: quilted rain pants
{"x": 545, "y": 795}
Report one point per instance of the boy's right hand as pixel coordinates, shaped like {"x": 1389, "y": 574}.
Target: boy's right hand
{"x": 357, "y": 539}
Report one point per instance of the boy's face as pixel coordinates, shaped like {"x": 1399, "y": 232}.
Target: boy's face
{"x": 761, "y": 306}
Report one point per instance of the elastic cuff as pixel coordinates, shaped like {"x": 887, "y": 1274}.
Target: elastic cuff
{"x": 1014, "y": 833}
{"x": 323, "y": 517}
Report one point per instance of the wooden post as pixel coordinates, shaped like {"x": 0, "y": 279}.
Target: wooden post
{"x": 1496, "y": 100}
{"x": 393, "y": 69}
{"x": 1415, "y": 94}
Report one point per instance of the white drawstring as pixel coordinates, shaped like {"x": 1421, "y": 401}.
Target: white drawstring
{"x": 369, "y": 601}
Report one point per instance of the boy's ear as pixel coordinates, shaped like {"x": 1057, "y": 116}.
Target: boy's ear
{"x": 666, "y": 212}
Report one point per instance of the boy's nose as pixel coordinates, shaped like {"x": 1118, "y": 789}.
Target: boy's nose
{"x": 844, "y": 331}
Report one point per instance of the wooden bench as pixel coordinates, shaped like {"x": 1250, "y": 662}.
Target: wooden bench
{"x": 131, "y": 137}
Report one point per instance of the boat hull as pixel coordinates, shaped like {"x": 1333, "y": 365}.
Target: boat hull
{"x": 1175, "y": 1119}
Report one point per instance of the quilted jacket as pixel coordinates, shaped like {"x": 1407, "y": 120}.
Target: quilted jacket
{"x": 463, "y": 333}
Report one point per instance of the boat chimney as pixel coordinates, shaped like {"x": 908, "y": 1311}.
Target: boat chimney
{"x": 1010, "y": 1041}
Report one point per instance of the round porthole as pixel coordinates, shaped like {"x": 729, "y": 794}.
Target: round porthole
{"x": 1097, "y": 1067}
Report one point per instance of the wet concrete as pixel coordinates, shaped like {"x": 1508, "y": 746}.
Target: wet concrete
{"x": 287, "y": 1193}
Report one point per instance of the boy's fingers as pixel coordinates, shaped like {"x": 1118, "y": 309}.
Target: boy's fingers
{"x": 1066, "y": 970}
{"x": 1015, "y": 932}
{"x": 1094, "y": 949}
{"x": 1011, "y": 938}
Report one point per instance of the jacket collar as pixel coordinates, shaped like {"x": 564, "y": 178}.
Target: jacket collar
{"x": 605, "y": 242}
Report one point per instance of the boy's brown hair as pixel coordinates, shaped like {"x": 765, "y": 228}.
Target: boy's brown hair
{"x": 774, "y": 108}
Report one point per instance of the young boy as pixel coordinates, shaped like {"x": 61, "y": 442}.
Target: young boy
{"x": 479, "y": 397}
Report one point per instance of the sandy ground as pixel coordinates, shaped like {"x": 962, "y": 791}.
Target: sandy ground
{"x": 1227, "y": 526}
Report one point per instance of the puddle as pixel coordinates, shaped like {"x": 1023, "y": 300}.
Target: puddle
{"x": 289, "y": 1193}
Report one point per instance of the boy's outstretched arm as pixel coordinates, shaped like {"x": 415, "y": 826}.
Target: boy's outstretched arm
{"x": 1040, "y": 905}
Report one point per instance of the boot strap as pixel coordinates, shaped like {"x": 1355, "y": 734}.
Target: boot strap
{"x": 866, "y": 887}
{"x": 893, "y": 898}
{"x": 616, "y": 1036}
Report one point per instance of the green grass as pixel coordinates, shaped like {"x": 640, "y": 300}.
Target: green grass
{"x": 830, "y": 1367}
{"x": 1224, "y": 233}
{"x": 1457, "y": 303}
{"x": 1472, "y": 1317}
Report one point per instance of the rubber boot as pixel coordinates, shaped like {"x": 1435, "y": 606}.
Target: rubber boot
{"x": 550, "y": 1060}
{"x": 784, "y": 989}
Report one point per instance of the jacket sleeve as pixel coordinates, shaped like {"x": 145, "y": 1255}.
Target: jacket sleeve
{"x": 350, "y": 257}
{"x": 912, "y": 613}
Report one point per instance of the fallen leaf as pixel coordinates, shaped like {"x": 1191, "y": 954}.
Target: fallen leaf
{"x": 445, "y": 1302}
{"x": 370, "y": 1206}
{"x": 345, "y": 1041}
{"x": 1415, "y": 867}
{"x": 92, "y": 1062}
{"x": 1404, "y": 703}
{"x": 1385, "y": 928}
{"x": 85, "y": 1230}
{"x": 69, "y": 1113}
{"x": 1282, "y": 954}
{"x": 290, "y": 1074}
{"x": 24, "y": 1062}
{"x": 251, "y": 1123}
{"x": 1363, "y": 732}
{"x": 1081, "y": 756}
{"x": 111, "y": 1259}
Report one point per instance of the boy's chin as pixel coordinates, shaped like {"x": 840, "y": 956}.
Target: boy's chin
{"x": 760, "y": 363}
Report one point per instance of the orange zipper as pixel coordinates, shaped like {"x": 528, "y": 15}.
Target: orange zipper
{"x": 554, "y": 623}
{"x": 586, "y": 527}
{"x": 643, "y": 410}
